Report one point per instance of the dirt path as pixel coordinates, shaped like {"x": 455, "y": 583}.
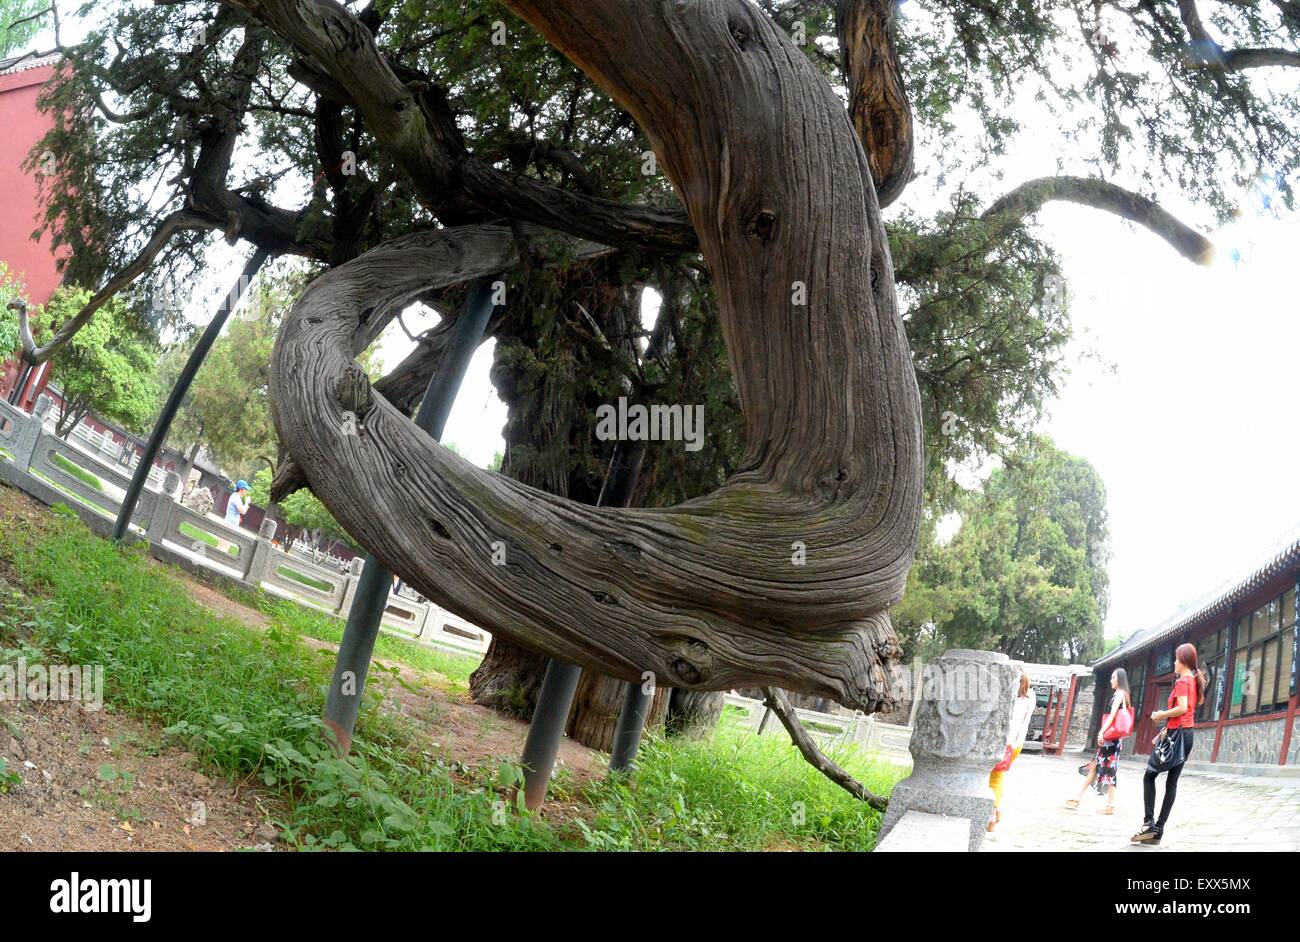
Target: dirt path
{"x": 94, "y": 781}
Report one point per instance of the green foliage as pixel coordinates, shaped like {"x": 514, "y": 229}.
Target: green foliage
{"x": 11, "y": 289}
{"x": 1026, "y": 572}
{"x": 736, "y": 791}
{"x": 247, "y": 702}
{"x": 988, "y": 340}
{"x": 454, "y": 668}
{"x": 107, "y": 367}
{"x": 15, "y": 35}
{"x": 8, "y": 780}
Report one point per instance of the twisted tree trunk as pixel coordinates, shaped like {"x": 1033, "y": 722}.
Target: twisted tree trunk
{"x": 596, "y": 706}
{"x": 694, "y": 714}
{"x": 715, "y": 592}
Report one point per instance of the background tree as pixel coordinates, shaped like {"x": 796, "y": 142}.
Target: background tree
{"x": 11, "y": 288}
{"x": 1025, "y": 573}
{"x": 107, "y": 368}
{"x": 227, "y": 409}
{"x": 20, "y": 22}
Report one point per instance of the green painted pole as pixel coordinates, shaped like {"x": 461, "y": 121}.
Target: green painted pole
{"x": 179, "y": 390}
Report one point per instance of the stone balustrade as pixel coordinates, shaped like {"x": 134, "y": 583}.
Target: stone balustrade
{"x": 201, "y": 542}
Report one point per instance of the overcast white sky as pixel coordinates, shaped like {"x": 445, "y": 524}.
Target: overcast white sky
{"x": 1194, "y": 430}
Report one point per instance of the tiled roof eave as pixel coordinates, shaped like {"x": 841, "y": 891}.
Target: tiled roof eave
{"x": 18, "y": 64}
{"x": 1280, "y": 563}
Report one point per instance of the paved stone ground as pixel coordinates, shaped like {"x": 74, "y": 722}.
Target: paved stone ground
{"x": 1214, "y": 811}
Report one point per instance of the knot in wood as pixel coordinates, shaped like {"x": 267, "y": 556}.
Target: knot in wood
{"x": 763, "y": 226}
{"x": 353, "y": 391}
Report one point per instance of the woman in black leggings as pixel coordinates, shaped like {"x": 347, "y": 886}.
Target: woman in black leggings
{"x": 1173, "y": 745}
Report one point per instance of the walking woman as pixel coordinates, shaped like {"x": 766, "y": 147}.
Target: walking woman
{"x": 1103, "y": 771}
{"x": 1173, "y": 745}
{"x": 1017, "y": 730}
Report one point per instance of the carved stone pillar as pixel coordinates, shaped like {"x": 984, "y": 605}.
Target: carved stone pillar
{"x": 959, "y": 734}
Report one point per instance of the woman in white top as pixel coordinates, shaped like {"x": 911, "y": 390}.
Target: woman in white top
{"x": 1103, "y": 771}
{"x": 1017, "y": 730}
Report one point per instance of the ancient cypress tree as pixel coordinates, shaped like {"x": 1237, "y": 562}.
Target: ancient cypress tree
{"x": 454, "y": 142}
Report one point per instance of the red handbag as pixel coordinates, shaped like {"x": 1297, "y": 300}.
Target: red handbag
{"x": 1005, "y": 764}
{"x": 1123, "y": 725}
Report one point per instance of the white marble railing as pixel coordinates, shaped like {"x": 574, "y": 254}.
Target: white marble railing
{"x": 830, "y": 729}
{"x": 40, "y": 465}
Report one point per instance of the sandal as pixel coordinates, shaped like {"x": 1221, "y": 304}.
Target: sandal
{"x": 1148, "y": 835}
{"x": 1109, "y": 809}
{"x": 1072, "y": 803}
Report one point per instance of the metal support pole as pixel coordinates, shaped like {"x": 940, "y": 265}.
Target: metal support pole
{"x": 15, "y": 394}
{"x": 547, "y": 728}
{"x": 631, "y": 723}
{"x": 179, "y": 390}
{"x": 376, "y": 582}
{"x": 561, "y": 681}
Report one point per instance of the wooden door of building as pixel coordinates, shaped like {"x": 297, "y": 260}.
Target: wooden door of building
{"x": 1156, "y": 699}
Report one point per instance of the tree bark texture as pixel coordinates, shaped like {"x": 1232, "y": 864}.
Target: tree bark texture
{"x": 596, "y": 706}
{"x": 545, "y": 377}
{"x": 694, "y": 714}
{"x": 706, "y": 595}
{"x": 878, "y": 101}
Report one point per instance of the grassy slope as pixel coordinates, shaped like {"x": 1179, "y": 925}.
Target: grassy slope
{"x": 248, "y": 703}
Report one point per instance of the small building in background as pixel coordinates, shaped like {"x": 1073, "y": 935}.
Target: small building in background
{"x": 1245, "y": 637}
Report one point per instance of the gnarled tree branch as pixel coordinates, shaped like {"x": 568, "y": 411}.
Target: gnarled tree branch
{"x": 708, "y": 594}
{"x": 780, "y": 705}
{"x": 878, "y": 102}
{"x": 1032, "y": 195}
{"x": 1212, "y": 55}
{"x": 170, "y": 225}
{"x": 336, "y": 44}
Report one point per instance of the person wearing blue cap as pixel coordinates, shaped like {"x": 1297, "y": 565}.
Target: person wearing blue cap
{"x": 238, "y": 504}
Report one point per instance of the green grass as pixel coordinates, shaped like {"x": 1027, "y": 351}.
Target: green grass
{"x": 78, "y": 472}
{"x": 247, "y": 702}
{"x": 320, "y": 585}
{"x": 203, "y": 536}
{"x": 111, "y": 514}
{"x": 456, "y": 668}
{"x": 737, "y": 792}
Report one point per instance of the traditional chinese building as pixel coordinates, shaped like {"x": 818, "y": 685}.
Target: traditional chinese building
{"x": 1245, "y": 637}
{"x": 21, "y": 78}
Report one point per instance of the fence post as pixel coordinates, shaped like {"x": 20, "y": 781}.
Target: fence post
{"x": 28, "y": 435}
{"x": 350, "y": 590}
{"x": 263, "y": 554}
{"x": 164, "y": 512}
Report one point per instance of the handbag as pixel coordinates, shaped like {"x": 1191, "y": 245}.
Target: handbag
{"x": 1123, "y": 725}
{"x": 1005, "y": 762}
{"x": 1170, "y": 748}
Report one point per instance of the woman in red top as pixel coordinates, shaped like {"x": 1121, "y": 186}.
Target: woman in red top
{"x": 1174, "y": 743}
